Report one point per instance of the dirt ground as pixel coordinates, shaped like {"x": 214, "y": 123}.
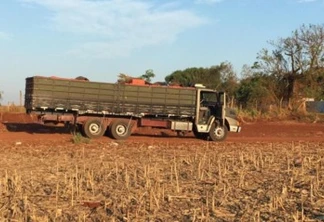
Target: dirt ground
{"x": 271, "y": 171}
{"x": 22, "y": 127}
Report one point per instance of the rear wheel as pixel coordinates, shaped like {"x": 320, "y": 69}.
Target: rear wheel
{"x": 217, "y": 133}
{"x": 120, "y": 129}
{"x": 93, "y": 128}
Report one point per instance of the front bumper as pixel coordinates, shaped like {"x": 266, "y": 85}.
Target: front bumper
{"x": 235, "y": 129}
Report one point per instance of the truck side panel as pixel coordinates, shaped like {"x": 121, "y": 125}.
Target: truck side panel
{"x": 96, "y": 97}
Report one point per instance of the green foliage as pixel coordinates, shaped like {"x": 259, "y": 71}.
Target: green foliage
{"x": 187, "y": 77}
{"x": 313, "y": 84}
{"x": 214, "y": 77}
{"x": 149, "y": 74}
{"x": 253, "y": 91}
{"x": 125, "y": 78}
{"x": 229, "y": 81}
{"x": 296, "y": 62}
{"x": 220, "y": 77}
{"x": 77, "y": 138}
{"x": 1, "y": 96}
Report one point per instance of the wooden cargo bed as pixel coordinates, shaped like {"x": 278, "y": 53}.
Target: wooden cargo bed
{"x": 70, "y": 95}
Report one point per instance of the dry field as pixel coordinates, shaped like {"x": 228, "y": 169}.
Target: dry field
{"x": 263, "y": 175}
{"x": 162, "y": 182}
{"x": 12, "y": 108}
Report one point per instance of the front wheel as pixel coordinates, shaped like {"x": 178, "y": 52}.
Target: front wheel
{"x": 217, "y": 133}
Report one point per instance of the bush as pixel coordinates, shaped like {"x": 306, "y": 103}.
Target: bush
{"x": 77, "y": 138}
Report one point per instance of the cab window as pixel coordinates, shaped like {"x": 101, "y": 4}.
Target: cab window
{"x": 208, "y": 97}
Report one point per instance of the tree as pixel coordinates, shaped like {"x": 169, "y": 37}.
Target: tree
{"x": 188, "y": 77}
{"x": 312, "y": 40}
{"x": 275, "y": 86}
{"x": 295, "y": 61}
{"x": 149, "y": 74}
{"x": 123, "y": 78}
{"x": 229, "y": 81}
{"x": 254, "y": 91}
{"x": 219, "y": 77}
{"x": 212, "y": 77}
{"x": 177, "y": 77}
{"x": 1, "y": 94}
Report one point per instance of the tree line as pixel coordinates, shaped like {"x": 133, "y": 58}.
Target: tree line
{"x": 290, "y": 69}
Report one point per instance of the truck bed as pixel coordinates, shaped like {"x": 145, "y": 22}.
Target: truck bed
{"x": 71, "y": 95}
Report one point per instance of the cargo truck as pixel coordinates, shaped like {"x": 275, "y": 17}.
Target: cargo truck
{"x": 118, "y": 109}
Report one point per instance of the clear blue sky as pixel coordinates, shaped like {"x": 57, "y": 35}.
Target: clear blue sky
{"x": 101, "y": 38}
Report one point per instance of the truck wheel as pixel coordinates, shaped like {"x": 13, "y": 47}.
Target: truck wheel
{"x": 120, "y": 129}
{"x": 93, "y": 128}
{"x": 217, "y": 133}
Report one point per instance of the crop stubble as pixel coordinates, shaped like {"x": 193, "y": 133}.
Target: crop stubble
{"x": 137, "y": 181}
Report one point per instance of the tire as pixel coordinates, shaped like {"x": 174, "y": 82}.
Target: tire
{"x": 217, "y": 133}
{"x": 93, "y": 128}
{"x": 120, "y": 129}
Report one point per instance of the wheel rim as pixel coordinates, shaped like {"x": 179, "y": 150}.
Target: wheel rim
{"x": 94, "y": 129}
{"x": 219, "y": 132}
{"x": 121, "y": 130}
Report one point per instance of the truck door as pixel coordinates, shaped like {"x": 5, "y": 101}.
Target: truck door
{"x": 206, "y": 106}
{"x": 222, "y": 101}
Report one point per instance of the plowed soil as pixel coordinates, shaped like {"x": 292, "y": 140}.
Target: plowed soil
{"x": 271, "y": 171}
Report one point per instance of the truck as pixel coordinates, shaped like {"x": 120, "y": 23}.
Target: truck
{"x": 118, "y": 109}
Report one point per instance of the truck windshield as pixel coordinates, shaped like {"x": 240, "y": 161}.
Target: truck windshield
{"x": 208, "y": 97}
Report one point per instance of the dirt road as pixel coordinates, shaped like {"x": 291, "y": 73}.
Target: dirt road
{"x": 20, "y": 127}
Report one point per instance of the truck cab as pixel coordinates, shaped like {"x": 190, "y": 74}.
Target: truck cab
{"x": 213, "y": 118}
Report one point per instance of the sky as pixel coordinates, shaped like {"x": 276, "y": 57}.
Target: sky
{"x": 99, "y": 39}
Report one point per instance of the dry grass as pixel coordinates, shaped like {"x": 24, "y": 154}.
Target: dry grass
{"x": 162, "y": 182}
{"x": 12, "y": 109}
